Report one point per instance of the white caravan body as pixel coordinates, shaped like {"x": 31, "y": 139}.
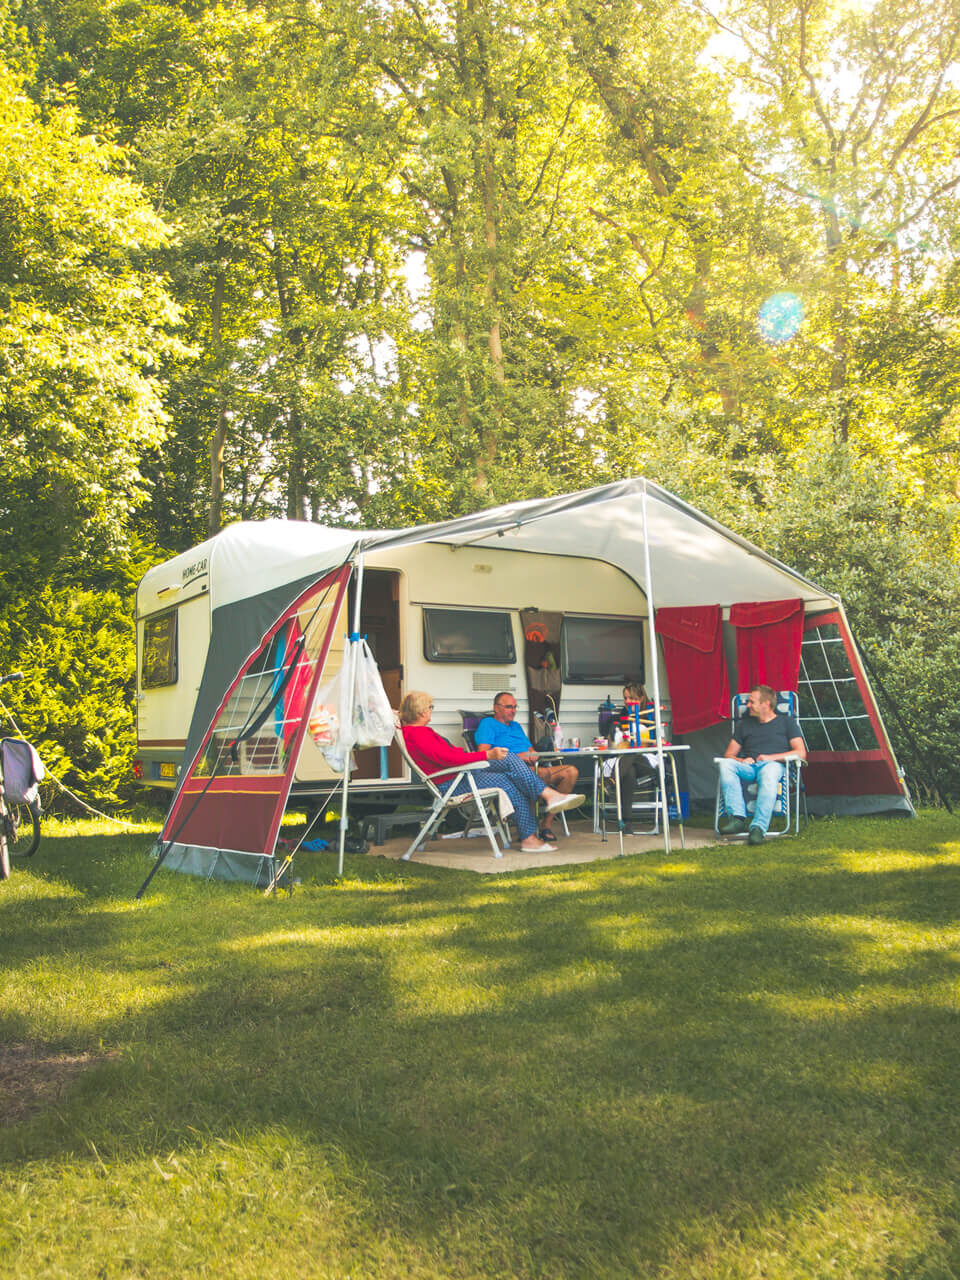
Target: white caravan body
{"x": 405, "y": 589}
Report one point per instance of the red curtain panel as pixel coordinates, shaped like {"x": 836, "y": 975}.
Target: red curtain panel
{"x": 692, "y": 640}
{"x": 768, "y": 643}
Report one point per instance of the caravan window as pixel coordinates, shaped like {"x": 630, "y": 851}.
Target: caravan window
{"x": 159, "y": 663}
{"x": 468, "y": 635}
{"x": 602, "y": 650}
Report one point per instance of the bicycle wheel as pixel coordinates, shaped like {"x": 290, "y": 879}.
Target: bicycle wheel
{"x": 23, "y": 830}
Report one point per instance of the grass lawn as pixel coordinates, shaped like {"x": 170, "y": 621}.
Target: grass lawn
{"x": 733, "y": 1062}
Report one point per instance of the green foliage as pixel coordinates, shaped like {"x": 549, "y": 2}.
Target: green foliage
{"x": 83, "y": 327}
{"x": 75, "y": 703}
{"x": 852, "y": 525}
{"x": 273, "y": 159}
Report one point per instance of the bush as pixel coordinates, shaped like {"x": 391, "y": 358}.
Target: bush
{"x": 850, "y": 525}
{"x": 75, "y": 703}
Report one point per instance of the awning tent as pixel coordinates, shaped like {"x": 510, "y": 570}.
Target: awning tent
{"x": 260, "y": 571}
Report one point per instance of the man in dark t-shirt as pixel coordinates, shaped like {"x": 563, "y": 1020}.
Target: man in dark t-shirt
{"x": 761, "y": 740}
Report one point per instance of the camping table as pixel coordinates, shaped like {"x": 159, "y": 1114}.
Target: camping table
{"x": 599, "y": 754}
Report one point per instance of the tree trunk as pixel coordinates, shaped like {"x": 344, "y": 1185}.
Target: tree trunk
{"x": 490, "y": 431}
{"x": 636, "y": 121}
{"x": 296, "y": 486}
{"x": 219, "y": 440}
{"x": 840, "y": 320}
{"x": 296, "y": 509}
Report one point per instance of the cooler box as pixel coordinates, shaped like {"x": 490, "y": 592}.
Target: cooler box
{"x": 683, "y": 810}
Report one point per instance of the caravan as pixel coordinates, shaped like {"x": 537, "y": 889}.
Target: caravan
{"x": 550, "y": 599}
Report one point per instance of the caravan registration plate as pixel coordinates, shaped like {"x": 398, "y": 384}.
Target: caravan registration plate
{"x": 168, "y": 771}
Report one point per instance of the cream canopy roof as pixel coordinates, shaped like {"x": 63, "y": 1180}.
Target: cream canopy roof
{"x": 694, "y": 559}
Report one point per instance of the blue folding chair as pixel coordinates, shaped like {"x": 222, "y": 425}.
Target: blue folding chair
{"x": 786, "y": 811}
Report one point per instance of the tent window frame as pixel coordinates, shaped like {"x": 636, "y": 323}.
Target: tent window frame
{"x": 491, "y": 649}
{"x": 831, "y": 720}
{"x": 159, "y": 661}
{"x": 577, "y": 652}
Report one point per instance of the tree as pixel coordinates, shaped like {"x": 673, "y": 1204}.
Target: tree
{"x": 850, "y": 523}
{"x": 84, "y": 327}
{"x": 75, "y": 704}
{"x": 259, "y": 134}
{"x": 853, "y": 116}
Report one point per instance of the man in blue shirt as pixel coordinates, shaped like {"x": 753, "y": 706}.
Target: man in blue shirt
{"x": 501, "y": 730}
{"x": 765, "y": 737}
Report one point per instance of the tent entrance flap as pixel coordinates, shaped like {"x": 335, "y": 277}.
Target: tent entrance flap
{"x": 232, "y": 799}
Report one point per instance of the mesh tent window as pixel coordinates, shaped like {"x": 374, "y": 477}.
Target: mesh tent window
{"x": 833, "y": 714}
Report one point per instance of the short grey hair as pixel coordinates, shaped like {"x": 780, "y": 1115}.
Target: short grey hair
{"x": 413, "y": 706}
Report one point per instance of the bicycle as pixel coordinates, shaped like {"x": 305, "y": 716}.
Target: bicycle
{"x": 20, "y": 771}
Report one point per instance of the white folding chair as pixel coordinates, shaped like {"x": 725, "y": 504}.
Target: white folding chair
{"x": 489, "y": 804}
{"x": 786, "y": 811}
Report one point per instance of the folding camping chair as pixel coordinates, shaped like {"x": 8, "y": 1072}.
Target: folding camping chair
{"x": 468, "y": 726}
{"x": 479, "y": 802}
{"x": 786, "y": 811}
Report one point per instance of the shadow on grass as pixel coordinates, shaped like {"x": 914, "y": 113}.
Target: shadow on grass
{"x": 648, "y": 1046}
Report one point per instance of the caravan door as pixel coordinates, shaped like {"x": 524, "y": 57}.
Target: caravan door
{"x": 380, "y": 623}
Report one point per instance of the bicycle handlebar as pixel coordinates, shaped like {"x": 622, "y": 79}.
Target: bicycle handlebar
{"x": 14, "y": 675}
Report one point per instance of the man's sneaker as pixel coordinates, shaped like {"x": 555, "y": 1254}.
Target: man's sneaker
{"x": 731, "y": 825}
{"x": 756, "y": 835}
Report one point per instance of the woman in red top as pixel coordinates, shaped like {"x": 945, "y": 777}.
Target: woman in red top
{"x": 432, "y": 752}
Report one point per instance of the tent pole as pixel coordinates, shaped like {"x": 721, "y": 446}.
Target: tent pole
{"x": 351, "y": 654}
{"x": 652, "y": 629}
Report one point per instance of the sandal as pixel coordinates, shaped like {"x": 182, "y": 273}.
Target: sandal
{"x": 539, "y": 848}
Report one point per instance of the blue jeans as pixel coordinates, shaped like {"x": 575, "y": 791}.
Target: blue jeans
{"x": 767, "y": 776}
